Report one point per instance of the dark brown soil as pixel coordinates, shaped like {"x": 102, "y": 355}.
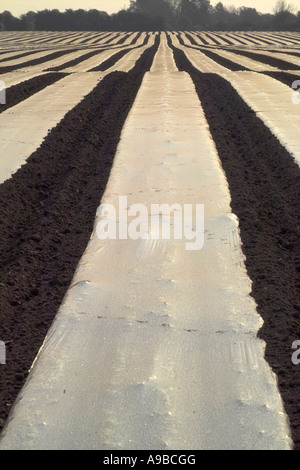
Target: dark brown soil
{"x": 205, "y": 42}
{"x": 110, "y": 62}
{"x": 48, "y": 41}
{"x": 116, "y": 57}
{"x": 213, "y": 39}
{"x": 46, "y": 217}
{"x": 281, "y": 64}
{"x": 289, "y": 39}
{"x": 237, "y": 38}
{"x": 111, "y": 39}
{"x": 180, "y": 39}
{"x": 284, "y": 77}
{"x": 20, "y": 92}
{"x": 191, "y": 39}
{"x": 47, "y": 212}
{"x": 73, "y": 62}
{"x": 225, "y": 39}
{"x": 136, "y": 38}
{"x": 87, "y": 39}
{"x": 122, "y": 40}
{"x": 264, "y": 183}
{"x": 265, "y": 41}
{"x": 233, "y": 66}
{"x": 245, "y": 39}
{"x": 54, "y": 55}
{"x": 282, "y": 51}
{"x": 18, "y": 56}
{"x": 277, "y": 40}
{"x": 6, "y": 52}
{"x": 252, "y": 39}
{"x": 103, "y": 36}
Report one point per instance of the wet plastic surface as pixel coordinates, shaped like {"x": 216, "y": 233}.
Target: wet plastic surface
{"x": 26, "y": 130}
{"x": 155, "y": 346}
{"x": 272, "y": 101}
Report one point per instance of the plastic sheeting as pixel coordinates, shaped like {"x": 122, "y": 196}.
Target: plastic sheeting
{"x": 286, "y": 57}
{"x": 59, "y": 61}
{"x": 202, "y": 62}
{"x": 123, "y": 65}
{"x": 276, "y": 38}
{"x": 198, "y": 59}
{"x": 254, "y": 38}
{"x": 92, "y": 62}
{"x": 235, "y": 39}
{"x": 127, "y": 62}
{"x": 207, "y": 39}
{"x": 21, "y": 128}
{"x": 155, "y": 346}
{"x": 11, "y": 55}
{"x": 268, "y": 97}
{"x": 37, "y": 55}
{"x": 130, "y": 38}
{"x": 273, "y": 103}
{"x": 246, "y": 62}
{"x": 193, "y": 35}
{"x": 14, "y": 78}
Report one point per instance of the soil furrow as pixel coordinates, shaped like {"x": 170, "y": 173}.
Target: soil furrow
{"x": 191, "y": 39}
{"x": 205, "y": 42}
{"x": 47, "y": 213}
{"x": 293, "y": 53}
{"x": 213, "y": 39}
{"x": 23, "y": 54}
{"x": 284, "y": 77}
{"x": 233, "y": 66}
{"x": 111, "y": 61}
{"x": 116, "y": 57}
{"x": 76, "y": 61}
{"x": 122, "y": 40}
{"x": 273, "y": 61}
{"x": 136, "y": 38}
{"x": 22, "y": 91}
{"x": 264, "y": 183}
{"x": 42, "y": 60}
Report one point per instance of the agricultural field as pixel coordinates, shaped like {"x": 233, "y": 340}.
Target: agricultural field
{"x": 143, "y": 342}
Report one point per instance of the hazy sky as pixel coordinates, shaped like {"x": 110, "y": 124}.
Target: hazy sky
{"x": 17, "y": 7}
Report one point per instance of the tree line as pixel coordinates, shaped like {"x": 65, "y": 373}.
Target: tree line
{"x": 158, "y": 15}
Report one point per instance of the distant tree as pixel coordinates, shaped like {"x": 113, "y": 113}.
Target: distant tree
{"x": 265, "y": 22}
{"x": 155, "y": 9}
{"x": 284, "y": 16}
{"x": 249, "y": 18}
{"x": 98, "y": 20}
{"x": 225, "y": 18}
{"x": 147, "y": 15}
{"x": 282, "y": 6}
{"x": 28, "y": 21}
{"x": 193, "y": 14}
{"x": 9, "y": 23}
{"x": 49, "y": 20}
{"x": 186, "y": 14}
{"x": 219, "y": 17}
{"x": 126, "y": 20}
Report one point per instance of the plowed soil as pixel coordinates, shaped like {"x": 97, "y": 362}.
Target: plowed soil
{"x": 20, "y": 92}
{"x": 46, "y": 217}
{"x": 264, "y": 183}
{"x": 48, "y": 208}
